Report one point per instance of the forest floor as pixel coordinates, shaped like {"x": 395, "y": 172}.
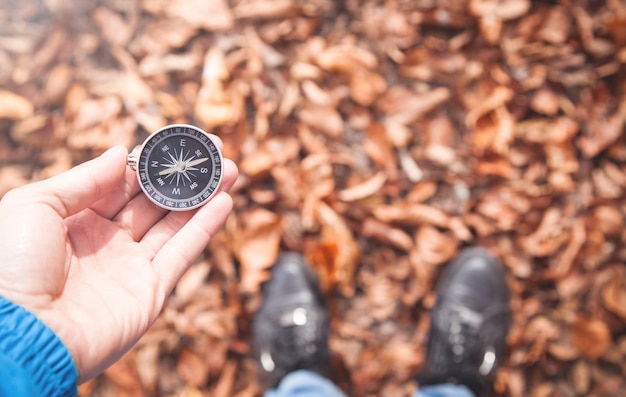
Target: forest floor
{"x": 375, "y": 137}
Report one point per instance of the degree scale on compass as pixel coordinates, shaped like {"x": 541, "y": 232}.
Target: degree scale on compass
{"x": 179, "y": 167}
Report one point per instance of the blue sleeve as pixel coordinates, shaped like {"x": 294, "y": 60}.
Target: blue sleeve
{"x": 33, "y": 360}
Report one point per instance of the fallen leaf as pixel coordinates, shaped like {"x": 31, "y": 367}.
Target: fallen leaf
{"x": 363, "y": 190}
{"x": 614, "y": 296}
{"x": 192, "y": 368}
{"x": 323, "y": 118}
{"x": 257, "y": 246}
{"x": 591, "y": 336}
{"x": 14, "y": 106}
{"x": 210, "y": 15}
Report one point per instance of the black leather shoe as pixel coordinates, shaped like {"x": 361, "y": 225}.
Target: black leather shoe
{"x": 290, "y": 329}
{"x": 470, "y": 322}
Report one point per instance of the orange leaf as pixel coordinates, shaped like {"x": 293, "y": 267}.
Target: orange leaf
{"x": 590, "y": 336}
{"x": 192, "y": 368}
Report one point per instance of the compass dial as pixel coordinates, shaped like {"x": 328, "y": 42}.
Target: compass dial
{"x": 179, "y": 167}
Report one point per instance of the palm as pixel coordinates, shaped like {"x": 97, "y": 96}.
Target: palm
{"x": 98, "y": 276}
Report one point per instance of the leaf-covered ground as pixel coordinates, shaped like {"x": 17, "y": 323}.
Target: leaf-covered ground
{"x": 375, "y": 137}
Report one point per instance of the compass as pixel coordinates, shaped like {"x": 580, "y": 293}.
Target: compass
{"x": 179, "y": 167}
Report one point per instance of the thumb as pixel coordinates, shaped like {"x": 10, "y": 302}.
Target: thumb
{"x": 83, "y": 185}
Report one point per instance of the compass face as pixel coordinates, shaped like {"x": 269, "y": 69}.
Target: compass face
{"x": 179, "y": 167}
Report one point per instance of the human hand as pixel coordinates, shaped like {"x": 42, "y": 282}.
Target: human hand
{"x": 88, "y": 254}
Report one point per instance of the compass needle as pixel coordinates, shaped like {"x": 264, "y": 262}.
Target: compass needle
{"x": 196, "y": 162}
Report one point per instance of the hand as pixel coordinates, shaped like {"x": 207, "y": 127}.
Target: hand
{"x": 89, "y": 255}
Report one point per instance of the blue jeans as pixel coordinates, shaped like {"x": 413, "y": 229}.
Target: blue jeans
{"x": 310, "y": 384}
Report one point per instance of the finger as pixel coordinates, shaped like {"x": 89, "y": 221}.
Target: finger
{"x": 83, "y": 185}
{"x": 218, "y": 141}
{"x": 127, "y": 189}
{"x": 186, "y": 238}
{"x": 231, "y": 173}
{"x": 116, "y": 200}
{"x": 138, "y": 216}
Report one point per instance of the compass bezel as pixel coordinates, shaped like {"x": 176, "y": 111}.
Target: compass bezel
{"x": 206, "y": 192}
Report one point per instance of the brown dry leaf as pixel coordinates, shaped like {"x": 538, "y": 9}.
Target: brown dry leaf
{"x": 162, "y": 35}
{"x": 545, "y": 101}
{"x": 399, "y": 135}
{"x": 581, "y": 377}
{"x": 549, "y": 235}
{"x": 563, "y": 262}
{"x": 315, "y": 93}
{"x": 12, "y": 177}
{"x": 192, "y": 368}
{"x": 422, "y": 191}
{"x": 614, "y": 295}
{"x": 379, "y": 148}
{"x": 366, "y": 87}
{"x": 562, "y": 158}
{"x": 504, "y": 206}
{"x": 600, "y": 134}
{"x": 604, "y": 186}
{"x": 556, "y": 26}
{"x": 563, "y": 349}
{"x": 558, "y": 130}
{"x": 440, "y": 141}
{"x": 257, "y": 163}
{"x": 305, "y": 71}
{"x": 387, "y": 234}
{"x": 540, "y": 331}
{"x": 499, "y": 167}
{"x": 346, "y": 252}
{"x": 393, "y": 28}
{"x": 403, "y": 106}
{"x": 190, "y": 391}
{"x": 590, "y": 336}
{"x": 226, "y": 382}
{"x": 593, "y": 45}
{"x": 217, "y": 105}
{"x": 93, "y": 112}
{"x": 492, "y": 13}
{"x": 346, "y": 58}
{"x": 14, "y": 106}
{"x": 382, "y": 296}
{"x": 497, "y": 99}
{"x": 206, "y": 14}
{"x": 148, "y": 365}
{"x": 32, "y": 130}
{"x": 113, "y": 27}
{"x": 433, "y": 247}
{"x": 58, "y": 82}
{"x": 617, "y": 29}
{"x": 325, "y": 119}
{"x": 159, "y": 64}
{"x": 364, "y": 189}
{"x": 124, "y": 375}
{"x": 316, "y": 175}
{"x": 257, "y": 245}
{"x": 413, "y": 213}
{"x": 191, "y": 281}
{"x": 260, "y": 9}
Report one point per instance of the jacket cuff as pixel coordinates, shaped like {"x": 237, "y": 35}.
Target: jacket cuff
{"x": 38, "y": 355}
